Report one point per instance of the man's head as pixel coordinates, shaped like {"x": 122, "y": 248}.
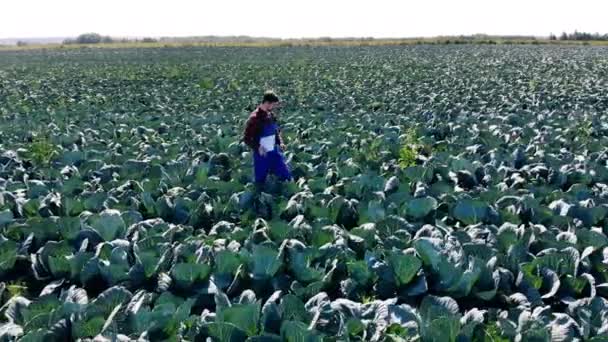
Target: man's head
{"x": 269, "y": 101}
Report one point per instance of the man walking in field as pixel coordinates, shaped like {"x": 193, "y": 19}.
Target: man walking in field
{"x": 263, "y": 135}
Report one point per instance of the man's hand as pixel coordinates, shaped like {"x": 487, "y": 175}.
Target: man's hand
{"x": 262, "y": 151}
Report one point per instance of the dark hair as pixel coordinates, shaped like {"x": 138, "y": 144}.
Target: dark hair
{"x": 270, "y": 96}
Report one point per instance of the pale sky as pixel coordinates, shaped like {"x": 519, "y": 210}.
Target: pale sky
{"x": 297, "y": 19}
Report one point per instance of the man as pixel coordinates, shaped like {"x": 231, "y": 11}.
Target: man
{"x": 263, "y": 135}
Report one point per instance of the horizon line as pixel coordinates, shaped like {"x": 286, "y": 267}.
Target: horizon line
{"x": 281, "y": 38}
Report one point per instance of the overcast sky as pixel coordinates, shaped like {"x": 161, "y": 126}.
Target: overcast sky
{"x": 295, "y": 19}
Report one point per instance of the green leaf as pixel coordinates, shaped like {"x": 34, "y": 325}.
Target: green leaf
{"x": 359, "y": 272}
{"x": 265, "y": 338}
{"x": 492, "y": 333}
{"x": 298, "y": 332}
{"x": 228, "y": 332}
{"x": 41, "y": 313}
{"x": 587, "y": 237}
{"x": 244, "y": 316}
{"x": 374, "y": 212}
{"x": 418, "y": 208}
{"x": 31, "y": 206}
{"x": 265, "y": 262}
{"x": 405, "y": 267}
{"x": 418, "y": 174}
{"x": 532, "y": 274}
{"x": 470, "y": 212}
{"x": 206, "y": 83}
{"x": 201, "y": 176}
{"x": 433, "y": 307}
{"x": 185, "y": 275}
{"x": 148, "y": 252}
{"x": 56, "y": 258}
{"x": 109, "y": 224}
{"x": 507, "y": 236}
{"x": 279, "y": 230}
{"x": 6, "y": 217}
{"x": 149, "y": 203}
{"x": 462, "y": 287}
{"x": 88, "y": 327}
{"x": 354, "y": 326}
{"x": 440, "y": 319}
{"x": 442, "y": 329}
{"x": 226, "y": 262}
{"x": 116, "y": 269}
{"x": 299, "y": 264}
{"x": 8, "y": 255}
{"x": 72, "y": 206}
{"x": 429, "y": 250}
{"x": 69, "y": 227}
{"x": 108, "y": 300}
{"x": 293, "y": 309}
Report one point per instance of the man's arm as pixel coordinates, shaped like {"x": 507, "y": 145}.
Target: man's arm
{"x": 250, "y": 136}
{"x": 280, "y": 138}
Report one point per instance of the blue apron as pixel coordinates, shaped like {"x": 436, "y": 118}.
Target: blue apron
{"x": 273, "y": 161}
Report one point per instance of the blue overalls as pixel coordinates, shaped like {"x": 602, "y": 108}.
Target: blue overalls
{"x": 273, "y": 161}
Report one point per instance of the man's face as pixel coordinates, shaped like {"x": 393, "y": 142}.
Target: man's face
{"x": 270, "y": 106}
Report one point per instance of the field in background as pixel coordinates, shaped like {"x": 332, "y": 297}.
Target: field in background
{"x": 310, "y": 42}
{"x": 442, "y": 193}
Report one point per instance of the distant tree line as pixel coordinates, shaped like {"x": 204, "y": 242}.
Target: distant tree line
{"x": 89, "y": 38}
{"x": 96, "y": 38}
{"x": 580, "y": 36}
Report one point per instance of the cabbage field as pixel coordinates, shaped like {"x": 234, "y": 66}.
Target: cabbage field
{"x": 442, "y": 193}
